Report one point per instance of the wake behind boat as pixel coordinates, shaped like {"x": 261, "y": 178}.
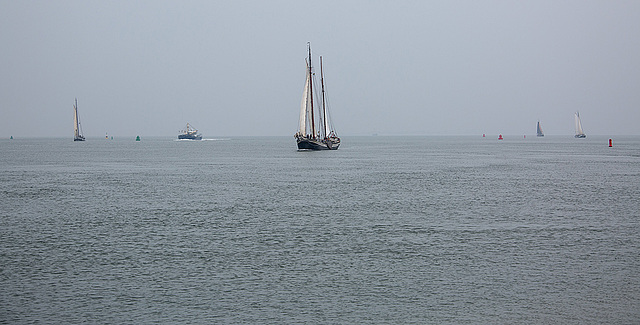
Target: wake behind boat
{"x": 189, "y": 133}
{"x": 77, "y": 128}
{"x": 315, "y": 131}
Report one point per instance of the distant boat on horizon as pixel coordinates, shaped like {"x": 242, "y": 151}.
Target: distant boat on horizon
{"x": 189, "y": 133}
{"x": 579, "y": 132}
{"x": 77, "y": 128}
{"x": 539, "y": 130}
{"x": 311, "y": 136}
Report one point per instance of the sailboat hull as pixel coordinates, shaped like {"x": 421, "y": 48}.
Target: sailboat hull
{"x": 312, "y": 144}
{"x": 78, "y": 139}
{"x": 581, "y": 136}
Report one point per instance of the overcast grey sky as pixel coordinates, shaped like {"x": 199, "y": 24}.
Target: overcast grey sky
{"x": 236, "y": 68}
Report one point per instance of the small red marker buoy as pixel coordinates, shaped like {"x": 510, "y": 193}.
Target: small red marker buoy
{"x": 483, "y": 135}
{"x": 610, "y": 143}
{"x": 500, "y": 137}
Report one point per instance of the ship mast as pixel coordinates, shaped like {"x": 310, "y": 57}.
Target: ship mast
{"x": 313, "y": 125}
{"x": 324, "y": 109}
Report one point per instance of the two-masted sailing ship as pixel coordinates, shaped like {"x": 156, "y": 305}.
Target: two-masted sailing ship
{"x": 76, "y": 124}
{"x": 539, "y": 130}
{"x": 315, "y": 131}
{"x": 579, "y": 132}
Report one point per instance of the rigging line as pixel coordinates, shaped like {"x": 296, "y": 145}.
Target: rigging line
{"x": 329, "y": 117}
{"x": 315, "y": 81}
{"x": 328, "y": 110}
{"x": 325, "y": 125}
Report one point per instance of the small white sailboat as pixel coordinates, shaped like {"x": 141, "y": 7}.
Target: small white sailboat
{"x": 539, "y": 130}
{"x": 579, "y": 132}
{"x": 315, "y": 131}
{"x": 76, "y": 124}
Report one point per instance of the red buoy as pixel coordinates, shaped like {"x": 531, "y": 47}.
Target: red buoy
{"x": 500, "y": 137}
{"x": 610, "y": 143}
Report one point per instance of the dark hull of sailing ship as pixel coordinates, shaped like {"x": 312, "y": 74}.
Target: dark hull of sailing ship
{"x": 305, "y": 143}
{"x": 315, "y": 131}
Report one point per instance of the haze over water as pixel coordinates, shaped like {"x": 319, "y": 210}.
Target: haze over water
{"x": 391, "y": 67}
{"x": 383, "y": 230}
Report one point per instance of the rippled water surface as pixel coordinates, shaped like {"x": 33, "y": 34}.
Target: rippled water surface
{"x": 383, "y": 230}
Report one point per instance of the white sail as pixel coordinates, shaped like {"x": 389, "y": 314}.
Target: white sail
{"x": 309, "y": 106}
{"x": 327, "y": 128}
{"x": 75, "y": 120}
{"x": 77, "y": 128}
{"x": 578, "y": 124}
{"x": 304, "y": 107}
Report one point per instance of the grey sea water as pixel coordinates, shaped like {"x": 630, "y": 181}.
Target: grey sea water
{"x": 462, "y": 230}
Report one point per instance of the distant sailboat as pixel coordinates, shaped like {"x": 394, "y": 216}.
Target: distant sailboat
{"x": 311, "y": 136}
{"x": 76, "y": 124}
{"x": 579, "y": 132}
{"x": 539, "y": 130}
